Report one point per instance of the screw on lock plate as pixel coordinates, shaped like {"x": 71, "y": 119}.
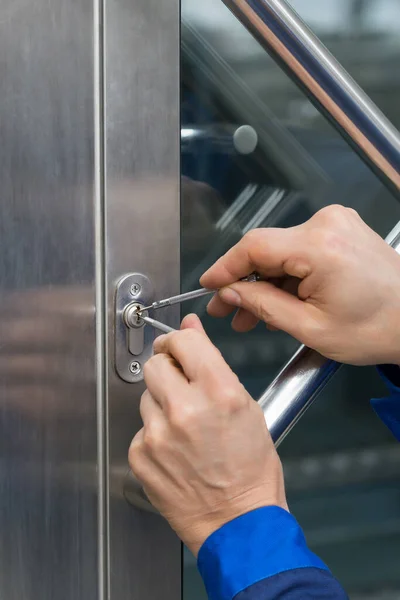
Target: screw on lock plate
{"x": 135, "y": 367}
{"x": 135, "y": 289}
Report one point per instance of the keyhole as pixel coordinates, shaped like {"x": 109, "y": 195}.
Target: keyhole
{"x": 135, "y": 326}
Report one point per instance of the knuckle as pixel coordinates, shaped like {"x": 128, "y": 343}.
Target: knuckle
{"x": 233, "y": 396}
{"x": 151, "y": 365}
{"x": 138, "y": 469}
{"x": 155, "y": 360}
{"x": 262, "y": 311}
{"x": 152, "y": 439}
{"x": 147, "y": 369}
{"x": 183, "y": 417}
{"x": 253, "y": 237}
{"x": 337, "y": 210}
{"x": 173, "y": 337}
{"x": 331, "y": 212}
{"x": 297, "y": 267}
{"x": 352, "y": 212}
{"x": 134, "y": 453}
{"x": 266, "y": 315}
{"x": 336, "y": 216}
{"x": 143, "y": 399}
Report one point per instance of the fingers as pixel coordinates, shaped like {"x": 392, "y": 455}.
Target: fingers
{"x": 163, "y": 377}
{"x": 136, "y": 457}
{"x": 192, "y": 322}
{"x": 150, "y": 410}
{"x": 217, "y": 308}
{"x": 264, "y": 250}
{"x": 194, "y": 351}
{"x": 272, "y": 305}
{"x": 244, "y": 321}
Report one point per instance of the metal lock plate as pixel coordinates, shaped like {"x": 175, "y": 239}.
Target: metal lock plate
{"x": 133, "y": 345}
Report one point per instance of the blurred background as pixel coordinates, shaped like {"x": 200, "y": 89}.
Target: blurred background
{"x": 256, "y": 153}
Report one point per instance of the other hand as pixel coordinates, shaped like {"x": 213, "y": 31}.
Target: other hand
{"x": 204, "y": 454}
{"x": 333, "y": 284}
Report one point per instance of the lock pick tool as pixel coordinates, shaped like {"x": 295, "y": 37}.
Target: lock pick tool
{"x": 178, "y": 299}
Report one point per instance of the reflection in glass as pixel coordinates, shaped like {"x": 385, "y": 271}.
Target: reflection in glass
{"x": 337, "y": 464}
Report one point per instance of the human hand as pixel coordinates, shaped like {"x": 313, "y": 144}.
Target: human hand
{"x": 204, "y": 455}
{"x": 334, "y": 285}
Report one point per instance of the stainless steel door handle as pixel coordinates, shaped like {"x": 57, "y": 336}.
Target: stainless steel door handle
{"x": 282, "y": 33}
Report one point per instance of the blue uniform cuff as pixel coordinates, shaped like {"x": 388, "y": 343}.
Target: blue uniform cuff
{"x": 388, "y": 409}
{"x": 255, "y": 546}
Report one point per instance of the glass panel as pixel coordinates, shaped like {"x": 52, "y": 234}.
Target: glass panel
{"x": 364, "y": 37}
{"x": 278, "y": 170}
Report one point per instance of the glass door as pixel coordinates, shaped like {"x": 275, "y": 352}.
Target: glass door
{"x": 255, "y": 152}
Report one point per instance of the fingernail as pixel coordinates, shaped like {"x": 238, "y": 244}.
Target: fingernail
{"x": 230, "y": 297}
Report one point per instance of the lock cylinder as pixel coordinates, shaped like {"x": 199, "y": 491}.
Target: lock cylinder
{"x": 132, "y": 315}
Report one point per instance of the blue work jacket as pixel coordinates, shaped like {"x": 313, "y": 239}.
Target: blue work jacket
{"x": 263, "y": 555}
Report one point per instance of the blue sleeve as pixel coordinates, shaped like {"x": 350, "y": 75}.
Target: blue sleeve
{"x": 263, "y": 555}
{"x": 388, "y": 409}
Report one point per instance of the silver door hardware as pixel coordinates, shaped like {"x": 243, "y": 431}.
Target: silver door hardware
{"x": 228, "y": 138}
{"x": 135, "y": 289}
{"x": 135, "y": 328}
{"x": 133, "y": 315}
{"x": 133, "y": 341}
{"x": 135, "y": 367}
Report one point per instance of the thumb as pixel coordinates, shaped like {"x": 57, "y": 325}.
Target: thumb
{"x": 272, "y": 305}
{"x": 192, "y": 322}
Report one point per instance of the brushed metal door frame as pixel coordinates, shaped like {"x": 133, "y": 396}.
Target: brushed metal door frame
{"x": 48, "y": 390}
{"x": 142, "y": 232}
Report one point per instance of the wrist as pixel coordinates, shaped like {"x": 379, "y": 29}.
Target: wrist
{"x": 199, "y": 530}
{"x": 377, "y": 340}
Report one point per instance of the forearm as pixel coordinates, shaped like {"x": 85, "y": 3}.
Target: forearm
{"x": 263, "y": 556}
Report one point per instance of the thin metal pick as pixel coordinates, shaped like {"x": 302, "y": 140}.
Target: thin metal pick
{"x": 157, "y": 324}
{"x": 191, "y": 295}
